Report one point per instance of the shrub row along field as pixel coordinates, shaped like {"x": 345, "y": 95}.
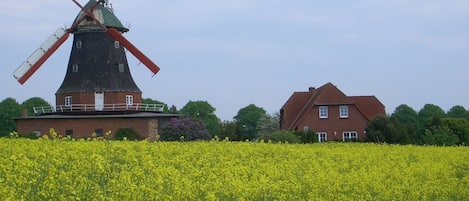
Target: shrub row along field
{"x": 128, "y": 170}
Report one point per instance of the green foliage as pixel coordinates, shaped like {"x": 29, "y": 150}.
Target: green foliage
{"x": 269, "y": 123}
{"x": 9, "y": 109}
{"x": 34, "y": 102}
{"x": 248, "y": 119}
{"x": 428, "y": 113}
{"x": 229, "y": 129}
{"x": 409, "y": 119}
{"x": 439, "y": 135}
{"x": 127, "y": 133}
{"x": 281, "y": 136}
{"x": 203, "y": 111}
{"x": 386, "y": 130}
{"x": 458, "y": 111}
{"x": 460, "y": 127}
{"x": 307, "y": 137}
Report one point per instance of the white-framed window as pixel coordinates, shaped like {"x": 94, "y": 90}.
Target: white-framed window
{"x": 129, "y": 100}
{"x": 116, "y": 44}
{"x": 78, "y": 44}
{"x": 75, "y": 68}
{"x": 322, "y": 136}
{"x": 121, "y": 67}
{"x": 323, "y": 112}
{"x": 343, "y": 110}
{"x": 306, "y": 129}
{"x": 68, "y": 101}
{"x": 349, "y": 135}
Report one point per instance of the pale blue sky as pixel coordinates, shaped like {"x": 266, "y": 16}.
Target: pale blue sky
{"x": 236, "y": 53}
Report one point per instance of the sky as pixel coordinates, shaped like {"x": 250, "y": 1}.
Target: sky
{"x": 235, "y": 53}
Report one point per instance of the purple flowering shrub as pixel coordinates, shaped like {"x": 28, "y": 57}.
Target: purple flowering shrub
{"x": 178, "y": 129}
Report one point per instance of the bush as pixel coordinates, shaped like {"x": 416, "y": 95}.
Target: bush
{"x": 281, "y": 136}
{"x": 127, "y": 133}
{"x": 184, "y": 129}
{"x": 307, "y": 137}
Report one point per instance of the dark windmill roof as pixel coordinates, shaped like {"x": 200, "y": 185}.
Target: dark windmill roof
{"x": 104, "y": 14}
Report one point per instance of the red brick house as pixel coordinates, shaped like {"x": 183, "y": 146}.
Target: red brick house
{"x": 330, "y": 113}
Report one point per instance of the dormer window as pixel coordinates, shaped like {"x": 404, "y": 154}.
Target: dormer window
{"x": 343, "y": 110}
{"x": 323, "y": 112}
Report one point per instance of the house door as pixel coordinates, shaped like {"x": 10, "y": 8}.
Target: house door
{"x": 99, "y": 101}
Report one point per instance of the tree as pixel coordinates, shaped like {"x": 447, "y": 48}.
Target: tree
{"x": 184, "y": 129}
{"x": 439, "y": 135}
{"x": 409, "y": 118}
{"x": 9, "y": 109}
{"x": 247, "y": 120}
{"x": 203, "y": 111}
{"x": 386, "y": 129}
{"x": 460, "y": 127}
{"x": 458, "y": 111}
{"x": 229, "y": 129}
{"x": 429, "y": 112}
{"x": 269, "y": 123}
{"x": 34, "y": 102}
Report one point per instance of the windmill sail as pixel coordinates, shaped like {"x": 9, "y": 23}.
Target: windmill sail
{"x": 26, "y": 70}
{"x": 132, "y": 49}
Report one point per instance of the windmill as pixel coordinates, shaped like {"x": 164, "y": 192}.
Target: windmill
{"x": 97, "y": 72}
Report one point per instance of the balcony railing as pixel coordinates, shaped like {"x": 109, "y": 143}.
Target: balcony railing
{"x": 96, "y": 108}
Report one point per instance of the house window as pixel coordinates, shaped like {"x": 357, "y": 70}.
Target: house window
{"x": 116, "y": 44}
{"x": 121, "y": 67}
{"x": 68, "y": 101}
{"x": 306, "y": 129}
{"x": 322, "y": 136}
{"x": 75, "y": 68}
{"x": 78, "y": 44}
{"x": 323, "y": 112}
{"x": 69, "y": 133}
{"x": 129, "y": 100}
{"x": 343, "y": 111}
{"x": 349, "y": 136}
{"x": 98, "y": 132}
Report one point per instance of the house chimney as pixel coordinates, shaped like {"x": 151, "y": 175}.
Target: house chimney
{"x": 24, "y": 113}
{"x": 311, "y": 89}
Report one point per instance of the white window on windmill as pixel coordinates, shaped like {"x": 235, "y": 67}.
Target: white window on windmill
{"x": 116, "y": 44}
{"x": 68, "y": 101}
{"x": 129, "y": 100}
{"x": 75, "y": 68}
{"x": 121, "y": 67}
{"x": 78, "y": 44}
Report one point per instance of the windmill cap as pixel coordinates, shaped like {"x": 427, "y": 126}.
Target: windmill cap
{"x": 103, "y": 14}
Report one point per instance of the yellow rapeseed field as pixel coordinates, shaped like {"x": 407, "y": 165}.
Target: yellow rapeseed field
{"x": 127, "y": 170}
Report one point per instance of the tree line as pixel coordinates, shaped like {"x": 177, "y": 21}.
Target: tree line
{"x": 430, "y": 125}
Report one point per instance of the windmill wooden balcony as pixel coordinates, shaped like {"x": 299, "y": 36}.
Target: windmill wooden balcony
{"x": 98, "y": 109}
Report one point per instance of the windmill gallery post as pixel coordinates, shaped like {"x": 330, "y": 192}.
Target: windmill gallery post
{"x": 98, "y": 93}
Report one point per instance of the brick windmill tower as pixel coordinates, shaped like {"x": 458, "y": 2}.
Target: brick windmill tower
{"x": 98, "y": 88}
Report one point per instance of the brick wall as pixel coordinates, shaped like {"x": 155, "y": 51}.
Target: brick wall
{"x": 84, "y": 127}
{"x": 334, "y": 126}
